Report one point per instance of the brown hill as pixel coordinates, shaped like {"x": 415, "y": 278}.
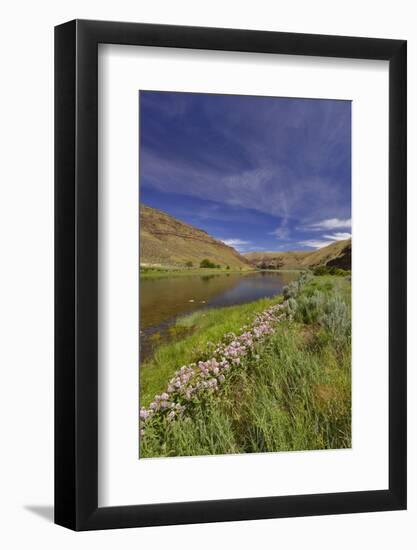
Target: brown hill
{"x": 166, "y": 241}
{"x": 337, "y": 254}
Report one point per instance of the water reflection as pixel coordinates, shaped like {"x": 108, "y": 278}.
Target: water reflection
{"x": 163, "y": 300}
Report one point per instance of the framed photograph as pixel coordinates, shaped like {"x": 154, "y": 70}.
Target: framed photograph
{"x": 230, "y": 254}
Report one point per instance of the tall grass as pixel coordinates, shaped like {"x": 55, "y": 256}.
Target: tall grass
{"x": 293, "y": 392}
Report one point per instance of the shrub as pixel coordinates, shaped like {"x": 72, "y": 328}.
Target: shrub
{"x": 292, "y": 306}
{"x": 336, "y": 318}
{"x": 207, "y": 263}
{"x": 330, "y": 270}
{"x": 304, "y": 278}
{"x": 321, "y": 270}
{"x": 309, "y": 308}
{"x": 291, "y": 290}
{"x": 189, "y": 264}
{"x": 328, "y": 310}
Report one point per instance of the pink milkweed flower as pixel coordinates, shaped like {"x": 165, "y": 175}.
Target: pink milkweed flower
{"x": 196, "y": 377}
{"x": 144, "y": 414}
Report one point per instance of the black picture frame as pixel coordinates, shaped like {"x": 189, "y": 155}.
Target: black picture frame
{"x": 76, "y": 272}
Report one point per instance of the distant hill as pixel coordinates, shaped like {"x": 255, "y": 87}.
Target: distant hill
{"x": 166, "y": 241}
{"x": 337, "y": 254}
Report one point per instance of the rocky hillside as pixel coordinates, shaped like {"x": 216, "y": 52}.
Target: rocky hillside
{"x": 166, "y": 241}
{"x": 337, "y": 254}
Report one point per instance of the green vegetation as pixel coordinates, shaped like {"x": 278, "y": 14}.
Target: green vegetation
{"x": 157, "y": 272}
{"x": 292, "y": 392}
{"x": 189, "y": 264}
{"x": 331, "y": 270}
{"x": 207, "y": 263}
{"x": 205, "y": 326}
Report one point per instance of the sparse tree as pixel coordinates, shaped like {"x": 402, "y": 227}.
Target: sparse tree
{"x": 207, "y": 263}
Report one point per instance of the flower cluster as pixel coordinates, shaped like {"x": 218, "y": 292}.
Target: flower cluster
{"x": 193, "y": 381}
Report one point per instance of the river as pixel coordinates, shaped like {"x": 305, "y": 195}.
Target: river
{"x": 163, "y": 300}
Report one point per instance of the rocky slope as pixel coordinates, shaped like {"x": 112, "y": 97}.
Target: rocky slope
{"x": 337, "y": 254}
{"x": 166, "y": 241}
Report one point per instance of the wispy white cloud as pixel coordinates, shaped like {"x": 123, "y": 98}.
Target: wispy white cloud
{"x": 238, "y": 244}
{"x": 273, "y": 189}
{"x": 282, "y": 231}
{"x": 325, "y": 240}
{"x": 332, "y": 223}
{"x": 284, "y": 164}
{"x": 235, "y": 242}
{"x": 338, "y": 236}
{"x": 315, "y": 243}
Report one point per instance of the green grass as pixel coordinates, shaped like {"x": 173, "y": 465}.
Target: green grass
{"x": 207, "y": 326}
{"x": 292, "y": 393}
{"x": 158, "y": 272}
{"x": 330, "y": 284}
{"x": 325, "y": 270}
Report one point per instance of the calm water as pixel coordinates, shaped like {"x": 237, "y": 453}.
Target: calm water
{"x": 163, "y": 300}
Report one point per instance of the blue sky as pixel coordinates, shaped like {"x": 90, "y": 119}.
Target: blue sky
{"x": 259, "y": 173}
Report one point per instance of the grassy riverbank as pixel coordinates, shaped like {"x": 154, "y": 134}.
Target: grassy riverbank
{"x": 157, "y": 272}
{"x": 203, "y": 327}
{"x": 292, "y": 392}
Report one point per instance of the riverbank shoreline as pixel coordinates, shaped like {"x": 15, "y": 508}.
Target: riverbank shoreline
{"x": 154, "y": 273}
{"x": 164, "y": 299}
{"x": 203, "y": 326}
{"x": 308, "y": 351}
